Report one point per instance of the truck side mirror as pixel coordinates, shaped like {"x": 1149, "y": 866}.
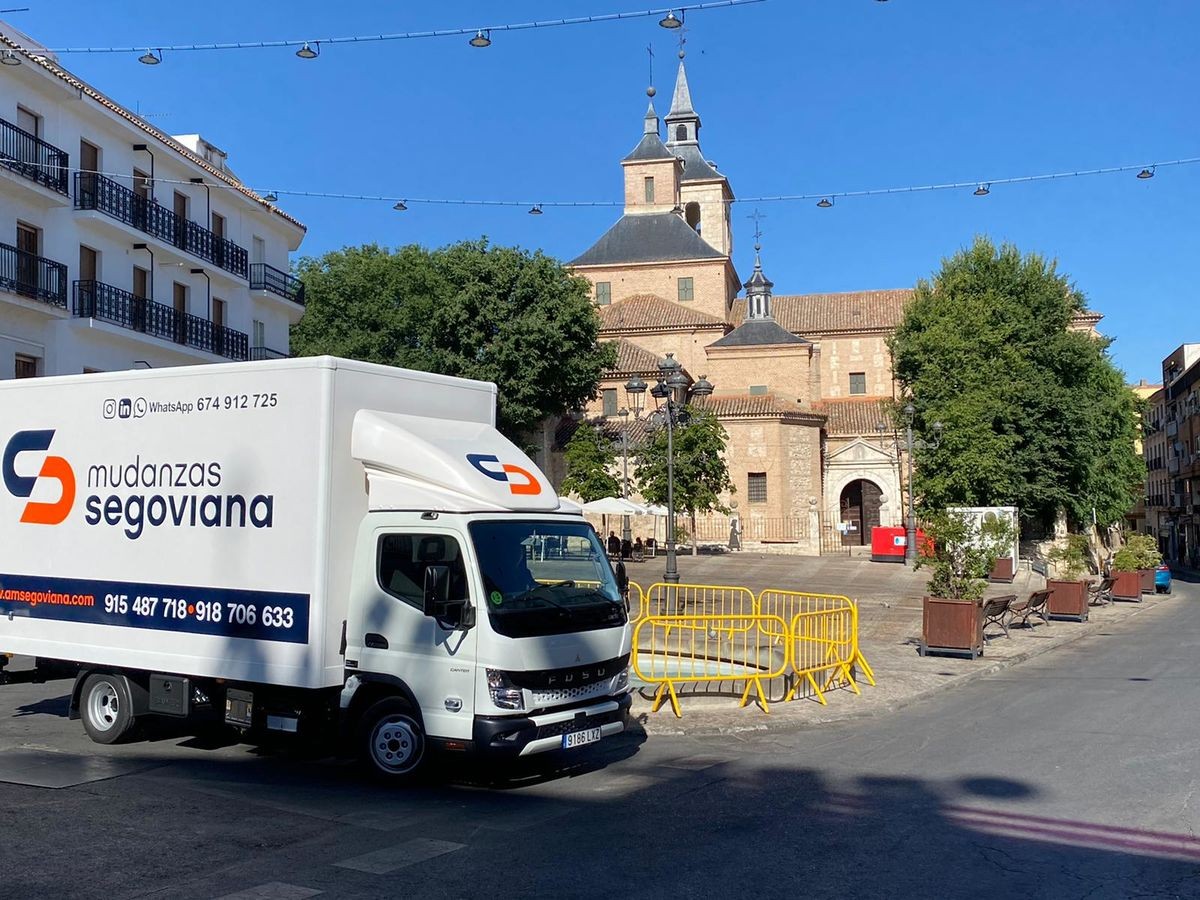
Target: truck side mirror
{"x": 622, "y": 579}
{"x": 437, "y": 590}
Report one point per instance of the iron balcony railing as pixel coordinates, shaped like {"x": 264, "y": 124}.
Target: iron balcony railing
{"x": 104, "y": 195}
{"x": 268, "y": 278}
{"x": 32, "y": 157}
{"x": 33, "y": 276}
{"x": 97, "y": 300}
{"x": 266, "y": 353}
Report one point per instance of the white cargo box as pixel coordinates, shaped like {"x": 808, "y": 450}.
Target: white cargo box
{"x": 202, "y": 520}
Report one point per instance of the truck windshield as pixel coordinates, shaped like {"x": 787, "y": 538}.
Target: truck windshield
{"x": 545, "y": 578}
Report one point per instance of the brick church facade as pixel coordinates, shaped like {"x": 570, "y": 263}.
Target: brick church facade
{"x": 803, "y": 381}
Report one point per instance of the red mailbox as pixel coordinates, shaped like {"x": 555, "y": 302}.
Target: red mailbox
{"x": 888, "y": 544}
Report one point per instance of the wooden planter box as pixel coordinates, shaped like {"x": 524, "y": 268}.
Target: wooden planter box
{"x": 1128, "y": 586}
{"x": 1068, "y": 600}
{"x": 1003, "y": 571}
{"x": 952, "y": 626}
{"x": 1147, "y": 580}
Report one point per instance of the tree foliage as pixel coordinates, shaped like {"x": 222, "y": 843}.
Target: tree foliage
{"x": 1035, "y": 415}
{"x": 701, "y": 473}
{"x": 498, "y": 314}
{"x": 590, "y": 456}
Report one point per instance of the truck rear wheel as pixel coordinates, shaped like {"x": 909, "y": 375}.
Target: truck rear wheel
{"x": 105, "y": 707}
{"x": 391, "y": 741}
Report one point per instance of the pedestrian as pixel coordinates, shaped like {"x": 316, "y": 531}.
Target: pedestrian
{"x": 614, "y": 544}
{"x": 735, "y": 532}
{"x": 639, "y": 550}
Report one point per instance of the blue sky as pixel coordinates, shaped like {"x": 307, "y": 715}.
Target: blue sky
{"x": 796, "y": 96}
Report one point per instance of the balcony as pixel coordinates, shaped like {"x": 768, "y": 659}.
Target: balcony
{"x": 268, "y": 278}
{"x": 260, "y": 353}
{"x": 96, "y": 300}
{"x": 32, "y": 158}
{"x": 33, "y": 276}
{"x": 95, "y": 192}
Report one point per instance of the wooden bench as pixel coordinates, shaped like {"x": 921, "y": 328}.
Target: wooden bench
{"x": 1035, "y": 605}
{"x": 996, "y": 612}
{"x": 1100, "y": 594}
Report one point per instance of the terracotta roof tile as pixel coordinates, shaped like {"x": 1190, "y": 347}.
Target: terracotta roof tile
{"x": 138, "y": 122}
{"x": 633, "y": 360}
{"x": 649, "y": 312}
{"x": 857, "y": 416}
{"x": 813, "y": 315}
{"x": 757, "y": 406}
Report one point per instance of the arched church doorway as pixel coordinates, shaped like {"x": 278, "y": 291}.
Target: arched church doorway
{"x": 859, "y": 505}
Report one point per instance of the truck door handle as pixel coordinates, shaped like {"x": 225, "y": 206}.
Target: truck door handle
{"x": 376, "y": 641}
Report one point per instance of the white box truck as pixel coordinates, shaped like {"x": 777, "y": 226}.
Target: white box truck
{"x": 316, "y": 546}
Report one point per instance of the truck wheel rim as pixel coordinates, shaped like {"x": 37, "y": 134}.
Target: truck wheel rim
{"x": 104, "y": 706}
{"x": 395, "y": 745}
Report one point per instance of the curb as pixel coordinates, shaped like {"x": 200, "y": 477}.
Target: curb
{"x": 649, "y": 722}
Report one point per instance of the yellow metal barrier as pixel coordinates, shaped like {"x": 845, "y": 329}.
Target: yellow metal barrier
{"x": 669, "y": 650}
{"x": 737, "y": 604}
{"x": 822, "y": 637}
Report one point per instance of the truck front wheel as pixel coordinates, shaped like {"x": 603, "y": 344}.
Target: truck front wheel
{"x": 105, "y": 708}
{"x": 391, "y": 741}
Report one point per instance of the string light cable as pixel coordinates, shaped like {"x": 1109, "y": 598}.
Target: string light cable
{"x": 826, "y": 198}
{"x": 308, "y": 48}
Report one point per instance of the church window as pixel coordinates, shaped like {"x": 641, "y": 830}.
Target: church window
{"x": 858, "y": 382}
{"x": 756, "y": 487}
{"x": 603, "y": 293}
{"x": 649, "y": 182}
{"x": 681, "y": 132}
{"x": 609, "y": 396}
{"x": 685, "y": 288}
{"x": 757, "y": 389}
{"x": 692, "y": 215}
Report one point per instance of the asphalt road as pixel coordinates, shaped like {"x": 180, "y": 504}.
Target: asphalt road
{"x": 1073, "y": 775}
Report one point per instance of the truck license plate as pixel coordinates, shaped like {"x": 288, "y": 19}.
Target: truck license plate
{"x": 579, "y": 738}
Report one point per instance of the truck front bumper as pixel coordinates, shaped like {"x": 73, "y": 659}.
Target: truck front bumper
{"x": 539, "y": 733}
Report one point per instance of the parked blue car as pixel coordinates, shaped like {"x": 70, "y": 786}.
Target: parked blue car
{"x": 1162, "y": 580}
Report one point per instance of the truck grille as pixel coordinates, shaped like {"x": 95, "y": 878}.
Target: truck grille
{"x": 566, "y": 695}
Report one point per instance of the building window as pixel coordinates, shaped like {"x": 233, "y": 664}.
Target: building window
{"x": 258, "y": 333}
{"x": 756, "y": 487}
{"x": 218, "y": 311}
{"x": 757, "y": 389}
{"x": 141, "y": 282}
{"x": 603, "y": 293}
{"x": 609, "y": 397}
{"x": 681, "y": 132}
{"x": 26, "y": 366}
{"x": 685, "y": 288}
{"x": 858, "y": 382}
{"x": 649, "y": 182}
{"x": 29, "y": 122}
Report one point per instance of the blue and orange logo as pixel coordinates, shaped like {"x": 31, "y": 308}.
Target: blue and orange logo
{"x": 52, "y": 467}
{"x": 529, "y": 485}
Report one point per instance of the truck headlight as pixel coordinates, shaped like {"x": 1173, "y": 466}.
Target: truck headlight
{"x": 621, "y": 680}
{"x": 505, "y": 695}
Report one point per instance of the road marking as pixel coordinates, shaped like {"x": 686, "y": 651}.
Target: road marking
{"x": 389, "y": 859}
{"x": 273, "y": 890}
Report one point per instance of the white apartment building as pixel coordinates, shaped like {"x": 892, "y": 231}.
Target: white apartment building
{"x": 121, "y": 246}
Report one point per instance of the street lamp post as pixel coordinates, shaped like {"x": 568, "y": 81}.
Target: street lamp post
{"x": 671, "y": 395}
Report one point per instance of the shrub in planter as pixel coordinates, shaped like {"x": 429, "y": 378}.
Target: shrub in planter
{"x": 961, "y": 557}
{"x": 1134, "y": 565}
{"x": 1069, "y": 592}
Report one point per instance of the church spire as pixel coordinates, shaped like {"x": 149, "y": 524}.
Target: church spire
{"x": 683, "y": 123}
{"x": 650, "y": 123}
{"x": 758, "y": 288}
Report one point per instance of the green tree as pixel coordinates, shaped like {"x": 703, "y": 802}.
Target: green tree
{"x": 498, "y": 314}
{"x": 1036, "y": 415}
{"x": 701, "y": 473}
{"x": 590, "y": 456}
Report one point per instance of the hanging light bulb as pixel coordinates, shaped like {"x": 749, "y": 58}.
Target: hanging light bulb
{"x": 481, "y": 39}
{"x": 149, "y": 59}
{"x": 307, "y": 52}
{"x": 10, "y": 58}
{"x": 400, "y": 207}
{"x": 271, "y": 197}
{"x": 669, "y": 21}
{"x": 983, "y": 190}
{"x": 536, "y": 210}
{"x": 825, "y": 203}
{"x": 1146, "y": 173}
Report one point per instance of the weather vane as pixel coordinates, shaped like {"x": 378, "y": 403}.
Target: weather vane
{"x": 757, "y": 217}
{"x": 650, "y": 50}
{"x": 682, "y": 39}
